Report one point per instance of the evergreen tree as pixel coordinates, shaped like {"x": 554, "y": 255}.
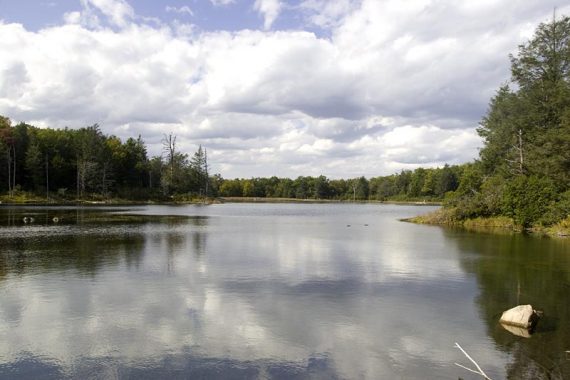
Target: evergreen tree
{"x": 34, "y": 165}
{"x": 199, "y": 171}
{"x": 526, "y": 130}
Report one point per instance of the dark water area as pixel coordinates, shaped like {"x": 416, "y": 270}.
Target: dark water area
{"x": 272, "y": 291}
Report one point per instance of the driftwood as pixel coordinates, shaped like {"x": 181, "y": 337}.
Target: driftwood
{"x": 478, "y": 371}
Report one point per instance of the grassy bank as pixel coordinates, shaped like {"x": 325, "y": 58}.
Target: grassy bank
{"x": 22, "y": 197}
{"x": 311, "y": 200}
{"x": 274, "y": 200}
{"x": 560, "y": 229}
{"x": 27, "y": 198}
{"x": 446, "y": 217}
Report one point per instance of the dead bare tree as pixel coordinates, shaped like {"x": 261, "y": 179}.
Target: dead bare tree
{"x": 169, "y": 148}
{"x": 518, "y": 162}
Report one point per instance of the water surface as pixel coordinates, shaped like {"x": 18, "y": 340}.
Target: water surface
{"x": 272, "y": 291}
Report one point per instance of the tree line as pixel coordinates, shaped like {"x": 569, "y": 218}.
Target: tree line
{"x": 419, "y": 184}
{"x": 87, "y": 164}
{"x": 523, "y": 171}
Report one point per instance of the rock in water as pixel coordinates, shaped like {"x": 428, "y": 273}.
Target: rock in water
{"x": 518, "y": 331}
{"x": 521, "y": 316}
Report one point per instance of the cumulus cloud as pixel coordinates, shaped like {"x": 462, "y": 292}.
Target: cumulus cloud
{"x": 394, "y": 85}
{"x": 222, "y": 2}
{"x": 327, "y": 13}
{"x": 269, "y": 9}
{"x": 119, "y": 12}
{"x": 180, "y": 10}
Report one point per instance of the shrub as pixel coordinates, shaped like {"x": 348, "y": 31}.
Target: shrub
{"x": 492, "y": 194}
{"x": 558, "y": 210}
{"x": 527, "y": 199}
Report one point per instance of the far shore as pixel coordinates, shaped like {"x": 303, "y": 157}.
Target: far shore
{"x": 35, "y": 201}
{"x": 309, "y": 200}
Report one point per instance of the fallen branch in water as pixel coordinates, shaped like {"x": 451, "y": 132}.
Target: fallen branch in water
{"x": 479, "y": 370}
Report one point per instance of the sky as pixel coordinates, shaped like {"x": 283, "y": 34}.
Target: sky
{"x": 342, "y": 88}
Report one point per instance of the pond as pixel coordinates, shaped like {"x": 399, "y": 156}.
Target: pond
{"x": 275, "y": 291}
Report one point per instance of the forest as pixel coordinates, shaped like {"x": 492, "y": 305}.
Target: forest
{"x": 522, "y": 173}
{"x": 85, "y": 164}
{"x": 80, "y": 164}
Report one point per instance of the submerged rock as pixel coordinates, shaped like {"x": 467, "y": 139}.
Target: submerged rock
{"x": 518, "y": 331}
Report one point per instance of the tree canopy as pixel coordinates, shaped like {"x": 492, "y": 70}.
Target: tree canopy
{"x": 526, "y": 135}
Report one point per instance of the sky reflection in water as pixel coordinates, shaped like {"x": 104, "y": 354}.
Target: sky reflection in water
{"x": 255, "y": 291}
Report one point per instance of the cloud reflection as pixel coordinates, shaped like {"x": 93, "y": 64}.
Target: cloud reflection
{"x": 247, "y": 296}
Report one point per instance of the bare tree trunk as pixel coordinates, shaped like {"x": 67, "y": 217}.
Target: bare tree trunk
{"x": 169, "y": 146}
{"x": 521, "y": 154}
{"x": 47, "y": 176}
{"x": 78, "y": 179}
{"x": 14, "y": 171}
{"x": 9, "y": 171}
{"x": 104, "y": 185}
{"x": 207, "y": 179}
{"x": 354, "y": 186}
{"x": 518, "y": 161}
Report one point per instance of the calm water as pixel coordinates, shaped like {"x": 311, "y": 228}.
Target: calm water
{"x": 258, "y": 291}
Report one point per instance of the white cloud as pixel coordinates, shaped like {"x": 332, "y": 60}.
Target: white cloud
{"x": 119, "y": 12}
{"x": 415, "y": 144}
{"x": 269, "y": 9}
{"x": 180, "y": 10}
{"x": 327, "y": 13}
{"x": 396, "y": 84}
{"x": 222, "y": 2}
{"x": 72, "y": 17}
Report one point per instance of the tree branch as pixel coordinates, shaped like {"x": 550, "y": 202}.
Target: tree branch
{"x": 480, "y": 371}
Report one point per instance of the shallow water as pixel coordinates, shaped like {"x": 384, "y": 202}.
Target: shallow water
{"x": 272, "y": 291}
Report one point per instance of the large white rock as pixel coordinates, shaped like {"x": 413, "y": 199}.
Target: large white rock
{"x": 520, "y": 316}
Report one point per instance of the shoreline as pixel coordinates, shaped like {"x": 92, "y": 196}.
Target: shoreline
{"x": 217, "y": 200}
{"x": 495, "y": 224}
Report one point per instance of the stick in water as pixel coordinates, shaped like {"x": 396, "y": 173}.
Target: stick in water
{"x": 479, "y": 372}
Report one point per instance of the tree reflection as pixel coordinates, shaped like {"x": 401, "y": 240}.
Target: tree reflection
{"x": 513, "y": 270}
{"x": 178, "y": 237}
{"x": 84, "y": 254}
{"x": 87, "y": 240}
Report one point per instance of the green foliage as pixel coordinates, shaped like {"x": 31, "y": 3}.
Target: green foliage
{"x": 491, "y": 195}
{"x": 526, "y": 132}
{"x": 557, "y": 211}
{"x": 322, "y": 189}
{"x": 524, "y": 167}
{"x": 561, "y": 228}
{"x": 444, "y": 216}
{"x": 470, "y": 180}
{"x": 34, "y": 164}
{"x": 92, "y": 165}
{"x": 198, "y": 171}
{"x": 527, "y": 199}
